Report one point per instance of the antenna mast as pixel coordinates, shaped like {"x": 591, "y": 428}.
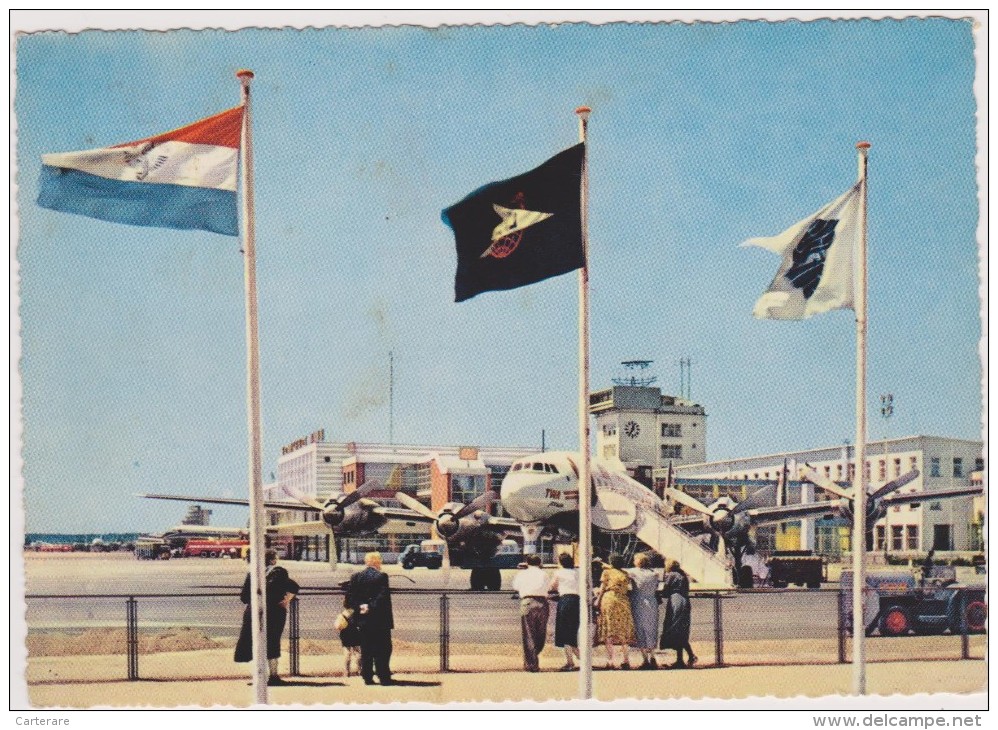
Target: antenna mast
{"x": 636, "y": 380}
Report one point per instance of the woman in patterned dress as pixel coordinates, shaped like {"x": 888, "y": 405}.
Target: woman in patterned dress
{"x": 616, "y": 625}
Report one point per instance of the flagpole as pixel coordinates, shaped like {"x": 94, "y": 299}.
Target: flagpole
{"x": 585, "y": 483}
{"x": 859, "y": 484}
{"x": 258, "y": 611}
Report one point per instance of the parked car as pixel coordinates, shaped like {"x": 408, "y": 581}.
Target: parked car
{"x": 428, "y": 554}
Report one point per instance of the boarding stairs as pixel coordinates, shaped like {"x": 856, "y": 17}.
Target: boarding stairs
{"x": 619, "y": 510}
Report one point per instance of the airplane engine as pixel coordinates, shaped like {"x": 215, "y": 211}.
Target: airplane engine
{"x": 455, "y": 527}
{"x": 351, "y": 518}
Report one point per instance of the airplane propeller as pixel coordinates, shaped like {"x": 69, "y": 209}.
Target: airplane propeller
{"x": 895, "y": 484}
{"x": 809, "y": 473}
{"x": 415, "y": 505}
{"x": 333, "y": 511}
{"x": 687, "y": 501}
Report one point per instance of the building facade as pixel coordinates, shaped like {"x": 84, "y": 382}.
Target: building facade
{"x": 943, "y": 463}
{"x": 647, "y": 430}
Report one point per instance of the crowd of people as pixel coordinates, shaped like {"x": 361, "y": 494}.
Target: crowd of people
{"x": 628, "y": 604}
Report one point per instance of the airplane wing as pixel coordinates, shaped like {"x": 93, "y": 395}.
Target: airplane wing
{"x": 932, "y": 496}
{"x": 269, "y": 504}
{"x": 772, "y": 515}
{"x": 398, "y": 513}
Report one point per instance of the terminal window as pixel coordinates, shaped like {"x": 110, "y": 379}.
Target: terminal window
{"x": 957, "y": 466}
{"x": 934, "y": 468}
{"x": 672, "y": 451}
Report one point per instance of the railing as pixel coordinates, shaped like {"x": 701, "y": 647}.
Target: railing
{"x": 480, "y": 630}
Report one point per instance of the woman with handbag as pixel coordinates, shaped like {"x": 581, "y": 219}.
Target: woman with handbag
{"x": 279, "y": 590}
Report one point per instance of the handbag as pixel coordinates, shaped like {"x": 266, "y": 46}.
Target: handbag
{"x": 342, "y": 621}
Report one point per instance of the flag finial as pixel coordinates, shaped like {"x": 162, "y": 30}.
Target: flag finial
{"x": 244, "y": 73}
{"x": 863, "y": 145}
{"x": 584, "y": 112}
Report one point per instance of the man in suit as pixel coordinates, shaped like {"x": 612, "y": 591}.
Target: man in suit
{"x": 370, "y": 598}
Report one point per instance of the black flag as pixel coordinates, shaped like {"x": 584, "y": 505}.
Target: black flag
{"x": 522, "y": 230}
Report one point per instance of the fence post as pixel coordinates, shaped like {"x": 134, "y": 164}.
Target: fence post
{"x": 964, "y": 629}
{"x": 132, "y": 637}
{"x": 293, "y": 635}
{"x": 842, "y": 626}
{"x": 718, "y": 632}
{"x": 444, "y": 633}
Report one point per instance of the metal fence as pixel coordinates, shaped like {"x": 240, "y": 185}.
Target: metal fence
{"x": 447, "y": 631}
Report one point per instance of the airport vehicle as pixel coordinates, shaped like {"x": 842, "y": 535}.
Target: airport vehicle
{"x": 214, "y": 548}
{"x": 49, "y": 547}
{"x": 796, "y": 567}
{"x": 903, "y": 604}
{"x": 428, "y": 554}
{"x": 152, "y": 548}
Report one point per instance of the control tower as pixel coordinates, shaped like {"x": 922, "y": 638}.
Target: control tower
{"x": 644, "y": 428}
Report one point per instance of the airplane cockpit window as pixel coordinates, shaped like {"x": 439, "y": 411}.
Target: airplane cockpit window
{"x": 538, "y": 466}
{"x": 554, "y": 468}
{"x": 516, "y": 467}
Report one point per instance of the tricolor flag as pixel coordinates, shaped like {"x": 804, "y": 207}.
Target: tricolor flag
{"x": 817, "y": 270}
{"x": 181, "y": 179}
{"x": 522, "y": 230}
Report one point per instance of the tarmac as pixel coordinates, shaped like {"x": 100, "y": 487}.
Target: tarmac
{"x": 946, "y": 684}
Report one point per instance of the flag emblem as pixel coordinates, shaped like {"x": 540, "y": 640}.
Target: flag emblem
{"x": 520, "y": 231}
{"x": 185, "y": 178}
{"x": 507, "y": 235}
{"x": 809, "y": 256}
{"x": 816, "y": 274}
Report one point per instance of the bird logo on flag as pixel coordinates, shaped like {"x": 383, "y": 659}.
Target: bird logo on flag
{"x": 809, "y": 255}
{"x": 507, "y": 235}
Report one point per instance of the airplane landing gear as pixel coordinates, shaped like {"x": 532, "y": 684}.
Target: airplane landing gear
{"x": 486, "y": 579}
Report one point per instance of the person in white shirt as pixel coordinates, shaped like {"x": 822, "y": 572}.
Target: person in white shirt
{"x": 532, "y": 585}
{"x": 566, "y": 621}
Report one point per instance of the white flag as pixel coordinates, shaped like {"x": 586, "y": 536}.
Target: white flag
{"x": 817, "y": 270}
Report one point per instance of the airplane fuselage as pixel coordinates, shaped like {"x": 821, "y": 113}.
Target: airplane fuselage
{"x": 540, "y": 487}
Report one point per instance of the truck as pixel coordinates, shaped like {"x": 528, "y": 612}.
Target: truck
{"x": 902, "y": 603}
{"x": 151, "y": 548}
{"x": 796, "y": 567}
{"x": 428, "y": 554}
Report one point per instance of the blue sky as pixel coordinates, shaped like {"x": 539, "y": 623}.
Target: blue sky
{"x": 132, "y": 339}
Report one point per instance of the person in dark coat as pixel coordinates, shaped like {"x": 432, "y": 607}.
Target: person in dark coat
{"x": 676, "y": 627}
{"x": 371, "y": 600}
{"x": 278, "y": 592}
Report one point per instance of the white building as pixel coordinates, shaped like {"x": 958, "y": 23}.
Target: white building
{"x": 646, "y": 429}
{"x": 943, "y": 463}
